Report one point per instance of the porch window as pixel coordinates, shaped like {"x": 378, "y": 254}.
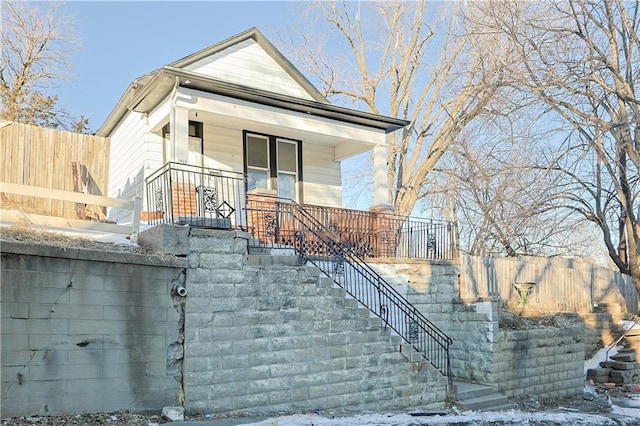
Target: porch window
{"x": 273, "y": 163}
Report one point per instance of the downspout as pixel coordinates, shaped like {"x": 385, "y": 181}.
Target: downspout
{"x": 172, "y": 121}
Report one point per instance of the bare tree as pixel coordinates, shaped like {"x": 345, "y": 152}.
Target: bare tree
{"x": 402, "y": 59}
{"x": 581, "y": 59}
{"x": 505, "y": 204}
{"x": 36, "y": 40}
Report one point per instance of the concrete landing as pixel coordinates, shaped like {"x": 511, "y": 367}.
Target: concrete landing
{"x": 472, "y": 396}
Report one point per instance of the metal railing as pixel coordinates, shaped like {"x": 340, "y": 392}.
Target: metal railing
{"x": 631, "y": 327}
{"x": 277, "y": 223}
{"x": 384, "y": 235}
{"x": 180, "y": 194}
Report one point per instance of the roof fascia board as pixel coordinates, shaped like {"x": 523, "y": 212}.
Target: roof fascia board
{"x": 205, "y": 84}
{"x": 117, "y": 113}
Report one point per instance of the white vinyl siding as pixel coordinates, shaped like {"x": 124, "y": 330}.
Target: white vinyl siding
{"x": 223, "y": 148}
{"x": 135, "y": 154}
{"x": 321, "y": 175}
{"x": 247, "y": 64}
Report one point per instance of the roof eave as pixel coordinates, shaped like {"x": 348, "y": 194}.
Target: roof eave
{"x": 163, "y": 82}
{"x": 159, "y": 85}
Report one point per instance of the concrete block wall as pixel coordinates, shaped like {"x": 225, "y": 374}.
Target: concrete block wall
{"x": 267, "y": 337}
{"x": 85, "y": 331}
{"x": 599, "y": 331}
{"x": 429, "y": 286}
{"x": 473, "y": 328}
{"x": 547, "y": 363}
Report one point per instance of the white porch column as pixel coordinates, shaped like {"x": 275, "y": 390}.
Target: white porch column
{"x": 380, "y": 194}
{"x": 179, "y": 127}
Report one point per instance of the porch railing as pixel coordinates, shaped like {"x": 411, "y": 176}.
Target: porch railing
{"x": 383, "y": 235}
{"x": 181, "y": 194}
{"x": 279, "y": 223}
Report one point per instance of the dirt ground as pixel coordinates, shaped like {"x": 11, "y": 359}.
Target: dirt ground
{"x": 27, "y": 234}
{"x": 595, "y": 401}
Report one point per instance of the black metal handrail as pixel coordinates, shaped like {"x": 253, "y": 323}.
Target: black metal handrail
{"x": 182, "y": 194}
{"x": 285, "y": 224}
{"x": 387, "y": 235}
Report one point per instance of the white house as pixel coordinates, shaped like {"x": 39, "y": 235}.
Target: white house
{"x": 241, "y": 106}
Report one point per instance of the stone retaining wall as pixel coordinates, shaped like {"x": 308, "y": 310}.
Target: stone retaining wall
{"x": 85, "y": 330}
{"x": 266, "y": 336}
{"x": 599, "y": 331}
{"x": 547, "y": 363}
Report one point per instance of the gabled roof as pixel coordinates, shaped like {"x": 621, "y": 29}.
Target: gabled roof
{"x": 146, "y": 92}
{"x": 268, "y": 47}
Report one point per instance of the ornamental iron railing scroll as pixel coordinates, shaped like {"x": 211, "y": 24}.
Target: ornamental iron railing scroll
{"x": 385, "y": 235}
{"x": 181, "y": 194}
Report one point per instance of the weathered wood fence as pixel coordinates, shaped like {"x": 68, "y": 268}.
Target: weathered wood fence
{"x": 54, "y": 159}
{"x": 560, "y": 284}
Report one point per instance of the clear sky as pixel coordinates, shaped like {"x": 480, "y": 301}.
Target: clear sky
{"x": 121, "y": 41}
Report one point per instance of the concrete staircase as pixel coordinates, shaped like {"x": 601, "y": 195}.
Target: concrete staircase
{"x": 326, "y": 286}
{"x": 472, "y": 396}
{"x": 623, "y": 367}
{"x": 469, "y": 396}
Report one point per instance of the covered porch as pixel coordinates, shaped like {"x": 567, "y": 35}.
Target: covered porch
{"x": 181, "y": 194}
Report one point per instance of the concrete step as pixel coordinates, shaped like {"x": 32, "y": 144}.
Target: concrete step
{"x": 493, "y": 402}
{"x": 325, "y": 282}
{"x": 258, "y": 250}
{"x": 285, "y": 251}
{"x": 626, "y": 356}
{"x": 465, "y": 390}
{"x": 267, "y": 259}
{"x": 473, "y": 396}
{"x": 410, "y": 353}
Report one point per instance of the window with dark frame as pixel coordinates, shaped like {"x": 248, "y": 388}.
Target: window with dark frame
{"x": 272, "y": 162}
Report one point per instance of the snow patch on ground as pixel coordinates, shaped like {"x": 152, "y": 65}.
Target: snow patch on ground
{"x": 470, "y": 417}
{"x": 601, "y": 355}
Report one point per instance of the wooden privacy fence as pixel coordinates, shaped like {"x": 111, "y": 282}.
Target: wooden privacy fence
{"x": 560, "y": 284}
{"x": 53, "y": 159}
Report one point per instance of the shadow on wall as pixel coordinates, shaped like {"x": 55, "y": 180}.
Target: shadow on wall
{"x": 561, "y": 285}
{"x": 133, "y": 187}
{"x": 84, "y": 182}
